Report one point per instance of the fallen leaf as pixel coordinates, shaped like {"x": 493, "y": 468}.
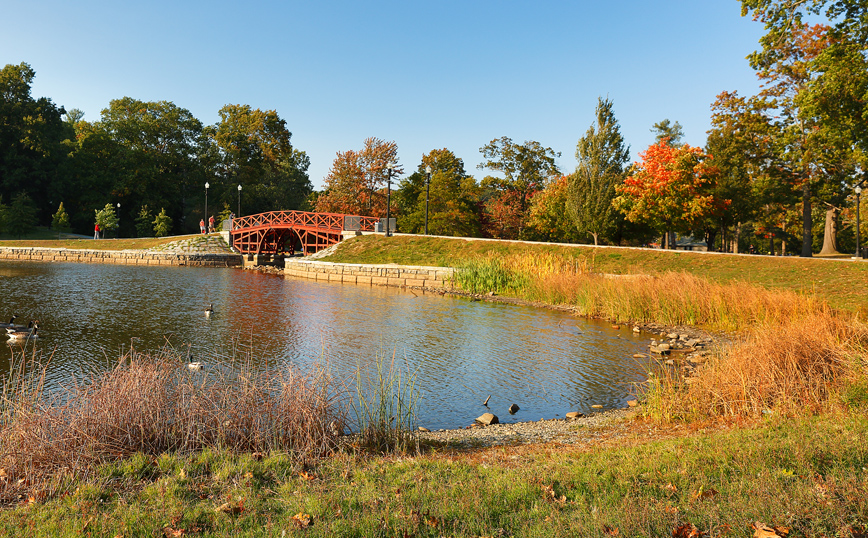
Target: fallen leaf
{"x": 302, "y": 520}
{"x": 307, "y": 476}
{"x": 230, "y": 508}
{"x": 609, "y": 531}
{"x": 688, "y": 530}
{"x": 705, "y": 494}
{"x": 761, "y": 530}
{"x": 169, "y": 532}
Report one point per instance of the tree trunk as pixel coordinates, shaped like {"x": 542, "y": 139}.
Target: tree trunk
{"x": 595, "y": 238}
{"x": 710, "y": 236}
{"x": 735, "y": 235}
{"x": 772, "y": 244}
{"x": 807, "y": 221}
{"x": 830, "y": 233}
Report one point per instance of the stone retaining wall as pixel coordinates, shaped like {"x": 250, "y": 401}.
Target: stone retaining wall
{"x": 123, "y": 257}
{"x": 374, "y": 275}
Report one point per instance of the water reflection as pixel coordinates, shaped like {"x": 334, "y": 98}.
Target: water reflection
{"x": 545, "y": 361}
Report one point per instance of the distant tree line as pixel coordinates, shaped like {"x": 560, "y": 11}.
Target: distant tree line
{"x": 778, "y": 172}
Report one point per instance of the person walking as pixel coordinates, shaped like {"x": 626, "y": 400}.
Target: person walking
{"x": 211, "y": 224}
{"x": 96, "y": 231}
{"x": 202, "y": 225}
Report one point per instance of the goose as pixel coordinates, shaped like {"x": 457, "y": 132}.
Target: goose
{"x": 209, "y": 310}
{"x": 17, "y": 334}
{"x": 12, "y": 328}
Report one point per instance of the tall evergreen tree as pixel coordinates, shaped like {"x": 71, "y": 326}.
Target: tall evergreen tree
{"x": 667, "y": 129}
{"x": 602, "y": 157}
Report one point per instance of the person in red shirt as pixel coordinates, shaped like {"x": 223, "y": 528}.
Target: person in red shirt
{"x": 211, "y": 224}
{"x": 202, "y": 225}
{"x": 96, "y": 231}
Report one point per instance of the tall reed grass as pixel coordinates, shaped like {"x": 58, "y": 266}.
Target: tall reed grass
{"x": 153, "y": 404}
{"x": 669, "y": 298}
{"x": 805, "y": 366}
{"x": 385, "y": 407}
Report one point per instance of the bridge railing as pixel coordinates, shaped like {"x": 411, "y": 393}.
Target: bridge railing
{"x": 305, "y": 219}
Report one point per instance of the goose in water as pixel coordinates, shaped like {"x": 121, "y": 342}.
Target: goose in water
{"x": 209, "y": 310}
{"x": 11, "y": 324}
{"x": 17, "y": 334}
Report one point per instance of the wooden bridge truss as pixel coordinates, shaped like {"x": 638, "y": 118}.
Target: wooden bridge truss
{"x": 278, "y": 232}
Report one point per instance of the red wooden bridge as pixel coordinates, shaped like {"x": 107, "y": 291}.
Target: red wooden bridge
{"x": 278, "y": 232}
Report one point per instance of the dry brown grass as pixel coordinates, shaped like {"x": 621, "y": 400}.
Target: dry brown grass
{"x": 805, "y": 366}
{"x": 153, "y": 404}
{"x": 676, "y": 299}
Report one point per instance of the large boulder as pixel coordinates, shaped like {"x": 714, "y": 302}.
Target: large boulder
{"x": 488, "y": 419}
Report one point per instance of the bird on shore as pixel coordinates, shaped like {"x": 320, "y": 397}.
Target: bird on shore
{"x": 29, "y": 332}
{"x": 209, "y": 310}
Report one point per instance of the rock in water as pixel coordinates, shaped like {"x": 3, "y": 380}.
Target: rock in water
{"x": 513, "y": 409}
{"x": 488, "y": 419}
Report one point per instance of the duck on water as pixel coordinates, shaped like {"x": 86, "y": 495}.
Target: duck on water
{"x": 24, "y": 332}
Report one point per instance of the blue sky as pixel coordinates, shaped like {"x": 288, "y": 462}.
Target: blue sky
{"x": 428, "y": 75}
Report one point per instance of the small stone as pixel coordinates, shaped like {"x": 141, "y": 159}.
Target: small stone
{"x": 488, "y": 419}
{"x": 616, "y": 327}
{"x": 683, "y": 336}
{"x": 672, "y": 336}
{"x": 574, "y": 414}
{"x": 423, "y": 429}
{"x": 513, "y": 409}
{"x": 638, "y": 356}
{"x": 632, "y": 403}
{"x": 597, "y": 406}
{"x": 637, "y": 330}
{"x": 664, "y": 347}
{"x": 669, "y": 362}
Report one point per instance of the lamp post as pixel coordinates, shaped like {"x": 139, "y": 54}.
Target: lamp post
{"x": 239, "y": 199}
{"x": 858, "y": 193}
{"x": 389, "y": 167}
{"x": 206, "y": 201}
{"x": 427, "y": 193}
{"x": 118, "y": 233}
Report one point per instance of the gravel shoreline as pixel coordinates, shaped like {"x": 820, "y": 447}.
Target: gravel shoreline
{"x": 560, "y": 430}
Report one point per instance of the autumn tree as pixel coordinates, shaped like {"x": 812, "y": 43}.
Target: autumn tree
{"x": 356, "y": 181}
{"x": 548, "y": 216}
{"x": 525, "y": 168}
{"x": 602, "y": 156}
{"x": 669, "y": 189}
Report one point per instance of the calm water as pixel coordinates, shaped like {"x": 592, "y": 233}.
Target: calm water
{"x": 546, "y": 362}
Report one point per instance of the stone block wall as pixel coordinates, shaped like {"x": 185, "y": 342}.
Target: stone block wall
{"x": 123, "y": 257}
{"x": 372, "y": 275}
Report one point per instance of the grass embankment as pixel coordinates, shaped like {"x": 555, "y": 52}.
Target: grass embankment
{"x": 841, "y": 283}
{"x": 45, "y": 238}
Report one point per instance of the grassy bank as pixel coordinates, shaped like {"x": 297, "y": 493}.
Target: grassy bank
{"x": 841, "y": 283}
{"x": 51, "y": 241}
{"x": 807, "y": 476}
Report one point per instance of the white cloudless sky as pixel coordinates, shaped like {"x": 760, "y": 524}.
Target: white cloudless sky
{"x": 428, "y": 75}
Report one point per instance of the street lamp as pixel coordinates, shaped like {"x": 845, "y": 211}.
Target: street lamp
{"x": 858, "y": 193}
{"x": 389, "y": 167}
{"x": 206, "y": 201}
{"x": 427, "y": 192}
{"x": 239, "y": 200}
{"x": 118, "y": 234}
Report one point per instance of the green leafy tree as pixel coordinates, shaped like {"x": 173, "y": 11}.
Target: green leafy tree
{"x": 106, "y": 218}
{"x": 21, "y": 215}
{"x": 548, "y": 217}
{"x": 223, "y": 216}
{"x": 162, "y": 224}
{"x": 255, "y": 151}
{"x": 666, "y": 130}
{"x": 32, "y": 141}
{"x": 144, "y": 222}
{"x": 60, "y": 220}
{"x": 3, "y": 211}
{"x": 525, "y": 168}
{"x": 602, "y": 157}
{"x": 453, "y": 197}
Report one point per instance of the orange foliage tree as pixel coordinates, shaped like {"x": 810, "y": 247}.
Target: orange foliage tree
{"x": 670, "y": 190}
{"x": 356, "y": 181}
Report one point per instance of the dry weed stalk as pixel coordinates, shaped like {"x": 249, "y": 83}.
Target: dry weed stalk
{"x": 154, "y": 404}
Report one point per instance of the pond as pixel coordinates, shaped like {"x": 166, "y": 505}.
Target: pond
{"x": 547, "y": 362}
